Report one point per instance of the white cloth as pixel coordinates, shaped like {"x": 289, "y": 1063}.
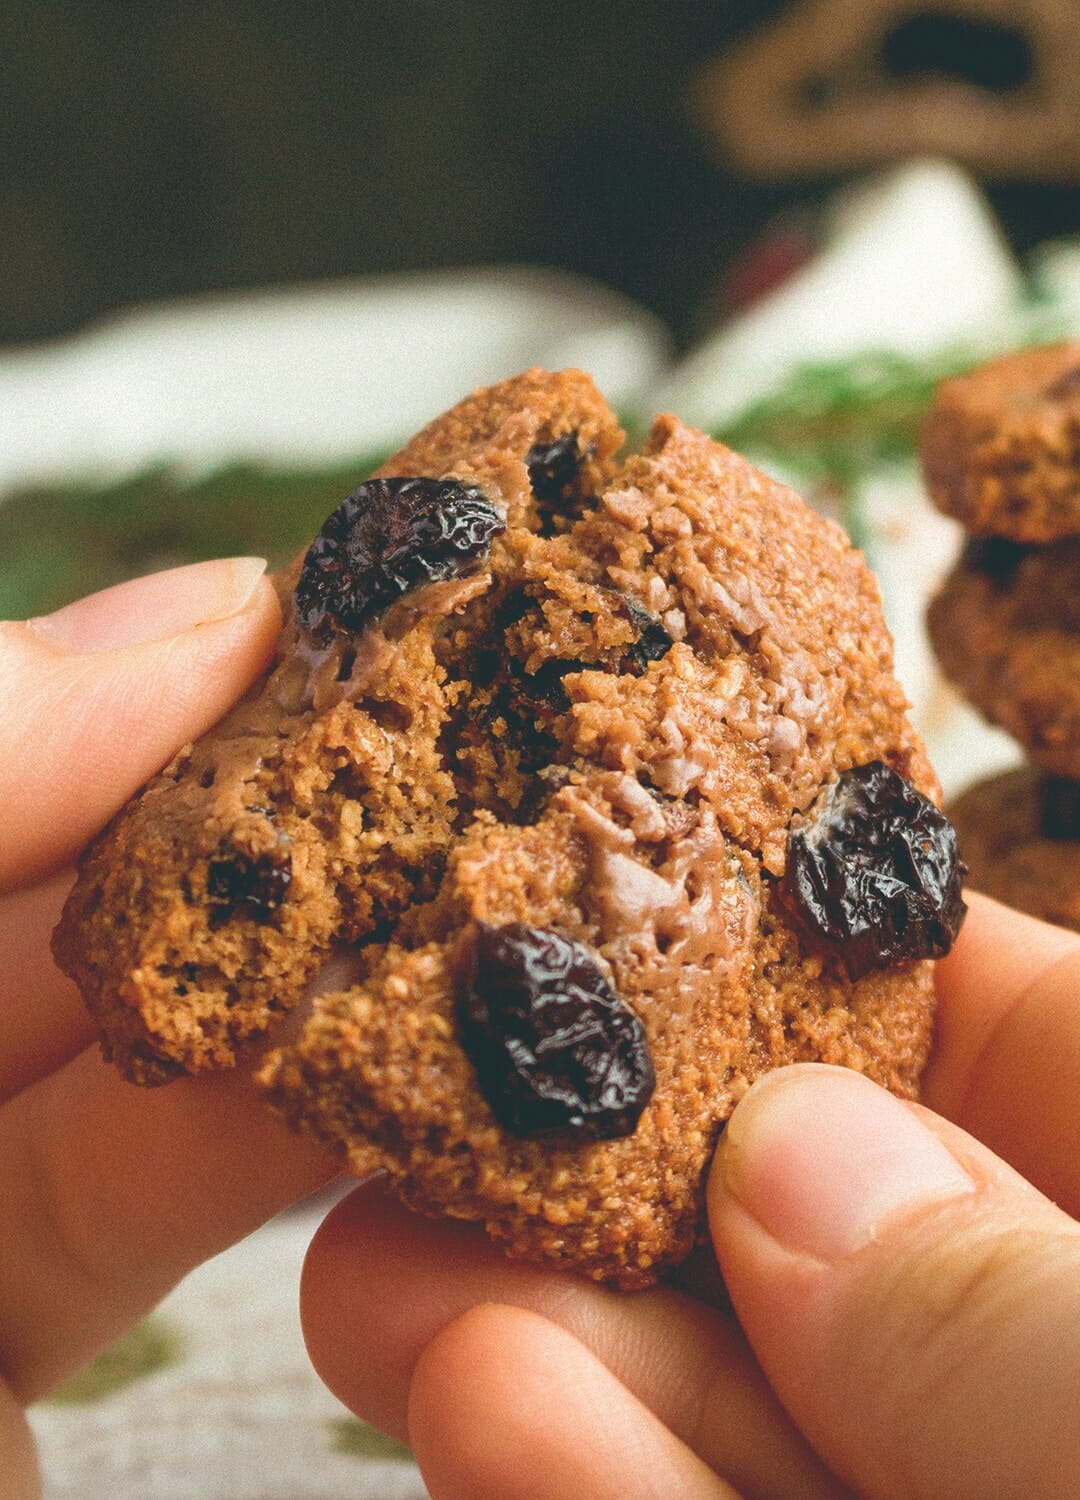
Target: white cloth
{"x": 237, "y": 1413}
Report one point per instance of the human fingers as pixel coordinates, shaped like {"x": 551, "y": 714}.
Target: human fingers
{"x": 108, "y": 688}
{"x": 914, "y": 1302}
{"x": 380, "y": 1283}
{"x": 43, "y": 1021}
{"x": 505, "y": 1405}
{"x": 112, "y": 1193}
{"x": 19, "y": 1473}
{"x": 1006, "y": 1060}
{"x": 96, "y": 717}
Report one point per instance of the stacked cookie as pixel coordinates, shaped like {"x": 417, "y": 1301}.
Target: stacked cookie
{"x": 1001, "y": 453}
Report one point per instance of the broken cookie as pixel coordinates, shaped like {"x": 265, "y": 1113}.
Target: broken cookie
{"x": 591, "y": 785}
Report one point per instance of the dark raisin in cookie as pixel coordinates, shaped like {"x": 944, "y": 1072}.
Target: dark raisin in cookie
{"x": 591, "y": 785}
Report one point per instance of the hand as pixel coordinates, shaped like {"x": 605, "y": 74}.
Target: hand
{"x": 911, "y": 1303}
{"x": 110, "y": 1194}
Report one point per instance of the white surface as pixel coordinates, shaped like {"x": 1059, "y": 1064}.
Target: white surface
{"x": 306, "y": 375}
{"x": 240, "y": 1415}
{"x": 913, "y": 263}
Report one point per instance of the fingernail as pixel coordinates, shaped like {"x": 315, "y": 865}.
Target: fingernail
{"x": 153, "y": 608}
{"x": 825, "y": 1160}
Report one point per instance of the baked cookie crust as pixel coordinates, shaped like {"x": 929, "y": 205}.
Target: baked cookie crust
{"x": 1006, "y": 630}
{"x": 1000, "y": 447}
{"x": 1020, "y": 837}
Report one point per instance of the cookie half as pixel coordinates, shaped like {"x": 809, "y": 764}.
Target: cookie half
{"x": 579, "y": 793}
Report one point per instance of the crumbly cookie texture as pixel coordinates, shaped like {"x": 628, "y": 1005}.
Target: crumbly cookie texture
{"x": 520, "y": 840}
{"x": 1020, "y": 833}
{"x": 1000, "y": 446}
{"x": 1006, "y": 629}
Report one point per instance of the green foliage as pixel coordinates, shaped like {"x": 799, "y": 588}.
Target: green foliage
{"x": 358, "y": 1439}
{"x": 832, "y": 423}
{"x": 827, "y": 426}
{"x": 151, "y": 1345}
{"x": 56, "y": 544}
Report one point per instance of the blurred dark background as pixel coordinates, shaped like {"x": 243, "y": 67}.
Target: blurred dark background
{"x": 151, "y": 150}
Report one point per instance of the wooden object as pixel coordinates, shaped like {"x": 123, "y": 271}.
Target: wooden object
{"x": 837, "y": 84}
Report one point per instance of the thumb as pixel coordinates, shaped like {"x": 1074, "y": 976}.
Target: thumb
{"x": 914, "y": 1303}
{"x": 99, "y": 695}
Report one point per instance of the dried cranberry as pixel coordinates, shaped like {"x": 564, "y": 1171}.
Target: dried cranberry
{"x": 653, "y": 642}
{"x": 553, "y": 466}
{"x": 539, "y": 791}
{"x": 876, "y": 874}
{"x": 249, "y": 885}
{"x": 544, "y": 686}
{"x": 556, "y": 1051}
{"x": 385, "y": 538}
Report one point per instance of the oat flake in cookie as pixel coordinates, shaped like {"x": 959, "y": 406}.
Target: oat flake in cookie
{"x": 542, "y": 728}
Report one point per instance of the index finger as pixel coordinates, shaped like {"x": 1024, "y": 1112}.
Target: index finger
{"x": 43, "y": 1022}
{"x": 1006, "y": 1059}
{"x": 112, "y": 1193}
